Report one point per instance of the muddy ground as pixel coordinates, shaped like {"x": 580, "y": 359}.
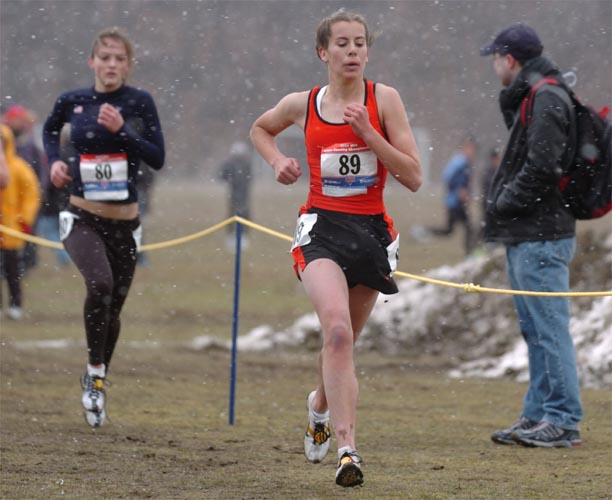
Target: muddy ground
{"x": 421, "y": 434}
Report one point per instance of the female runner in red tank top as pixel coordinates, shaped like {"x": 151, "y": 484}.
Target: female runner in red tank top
{"x": 345, "y": 247}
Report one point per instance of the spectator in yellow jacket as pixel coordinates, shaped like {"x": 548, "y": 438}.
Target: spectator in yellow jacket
{"x": 19, "y": 204}
{"x": 4, "y": 175}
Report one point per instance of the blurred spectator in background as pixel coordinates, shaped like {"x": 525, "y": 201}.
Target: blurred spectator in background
{"x": 492, "y": 162}
{"x": 20, "y": 204}
{"x": 456, "y": 179}
{"x": 493, "y": 159}
{"x": 144, "y": 187}
{"x": 4, "y": 173}
{"x": 21, "y": 121}
{"x": 4, "y": 180}
{"x": 236, "y": 171}
{"x": 54, "y": 200}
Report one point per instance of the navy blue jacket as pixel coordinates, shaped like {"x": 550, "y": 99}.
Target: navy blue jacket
{"x": 140, "y": 138}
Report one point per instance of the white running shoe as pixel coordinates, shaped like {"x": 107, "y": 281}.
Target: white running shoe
{"x": 94, "y": 396}
{"x": 349, "y": 472}
{"x": 95, "y": 418}
{"x": 15, "y": 313}
{"x": 318, "y": 436}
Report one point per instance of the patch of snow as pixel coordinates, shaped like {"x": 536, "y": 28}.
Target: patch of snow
{"x": 45, "y": 344}
{"x": 477, "y": 332}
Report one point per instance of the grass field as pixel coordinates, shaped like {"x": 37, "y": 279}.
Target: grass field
{"x": 421, "y": 434}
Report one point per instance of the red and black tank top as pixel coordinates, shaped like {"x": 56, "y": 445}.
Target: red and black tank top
{"x": 345, "y": 175}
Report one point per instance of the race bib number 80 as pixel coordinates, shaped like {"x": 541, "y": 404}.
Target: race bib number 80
{"x": 347, "y": 169}
{"x": 105, "y": 177}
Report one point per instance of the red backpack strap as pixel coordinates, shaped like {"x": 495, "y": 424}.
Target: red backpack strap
{"x": 527, "y": 104}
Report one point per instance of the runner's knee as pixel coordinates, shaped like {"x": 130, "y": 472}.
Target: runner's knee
{"x": 339, "y": 339}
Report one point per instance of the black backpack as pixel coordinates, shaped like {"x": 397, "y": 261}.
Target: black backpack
{"x": 586, "y": 185}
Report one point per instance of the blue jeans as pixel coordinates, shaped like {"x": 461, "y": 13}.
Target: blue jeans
{"x": 47, "y": 226}
{"x": 554, "y": 393}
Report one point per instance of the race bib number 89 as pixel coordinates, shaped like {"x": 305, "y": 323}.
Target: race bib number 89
{"x": 105, "y": 177}
{"x": 347, "y": 169}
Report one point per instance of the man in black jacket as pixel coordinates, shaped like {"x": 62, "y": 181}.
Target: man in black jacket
{"x": 525, "y": 212}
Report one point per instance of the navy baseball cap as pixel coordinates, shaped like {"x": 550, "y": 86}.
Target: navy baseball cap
{"x": 518, "y": 40}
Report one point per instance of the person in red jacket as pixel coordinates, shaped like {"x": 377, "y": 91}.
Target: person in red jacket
{"x": 345, "y": 246}
{"x": 19, "y": 205}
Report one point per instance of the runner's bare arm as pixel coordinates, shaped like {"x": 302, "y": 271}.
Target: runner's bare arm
{"x": 290, "y": 110}
{"x": 399, "y": 154}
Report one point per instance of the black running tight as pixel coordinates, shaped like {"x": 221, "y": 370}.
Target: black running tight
{"x": 11, "y": 269}
{"x": 104, "y": 252}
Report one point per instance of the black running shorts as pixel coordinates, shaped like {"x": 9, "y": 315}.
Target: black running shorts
{"x": 364, "y": 246}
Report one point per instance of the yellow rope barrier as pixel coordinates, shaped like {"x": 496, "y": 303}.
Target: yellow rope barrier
{"x": 186, "y": 239}
{"x": 32, "y": 239}
{"x": 466, "y": 287}
{"x": 472, "y": 288}
{"x": 263, "y": 229}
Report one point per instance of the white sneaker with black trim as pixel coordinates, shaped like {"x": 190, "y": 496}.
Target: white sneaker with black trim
{"x": 93, "y": 399}
{"x": 349, "y": 472}
{"x": 95, "y": 418}
{"x": 318, "y": 436}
